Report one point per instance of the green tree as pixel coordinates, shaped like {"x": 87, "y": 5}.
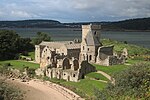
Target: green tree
{"x": 130, "y": 84}
{"x": 9, "y": 92}
{"x": 8, "y": 44}
{"x": 41, "y": 36}
{"x": 11, "y": 44}
{"x": 25, "y": 45}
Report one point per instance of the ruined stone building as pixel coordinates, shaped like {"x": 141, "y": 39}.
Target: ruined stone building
{"x": 71, "y": 60}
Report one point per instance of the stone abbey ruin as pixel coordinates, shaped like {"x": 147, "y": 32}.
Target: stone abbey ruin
{"x": 71, "y": 60}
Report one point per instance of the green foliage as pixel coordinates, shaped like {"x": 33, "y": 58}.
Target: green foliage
{"x": 41, "y": 36}
{"x": 11, "y": 44}
{"x": 31, "y": 72}
{"x": 29, "y": 55}
{"x": 8, "y": 44}
{"x": 25, "y": 45}
{"x": 132, "y": 83}
{"x": 8, "y": 92}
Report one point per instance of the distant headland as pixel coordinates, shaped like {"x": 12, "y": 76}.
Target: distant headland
{"x": 138, "y": 24}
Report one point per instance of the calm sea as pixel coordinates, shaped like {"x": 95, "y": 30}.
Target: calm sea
{"x": 63, "y": 34}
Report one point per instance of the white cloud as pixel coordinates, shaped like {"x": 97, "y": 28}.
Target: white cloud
{"x": 75, "y": 10}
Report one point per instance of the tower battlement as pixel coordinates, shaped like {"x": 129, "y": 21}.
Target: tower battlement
{"x": 91, "y": 26}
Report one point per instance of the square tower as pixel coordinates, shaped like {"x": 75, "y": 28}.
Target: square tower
{"x": 90, "y": 42}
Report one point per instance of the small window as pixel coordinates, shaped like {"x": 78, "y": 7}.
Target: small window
{"x": 95, "y": 33}
{"x": 90, "y": 57}
{"x": 74, "y": 75}
{"x": 64, "y": 74}
{"x": 83, "y": 47}
{"x": 88, "y": 49}
{"x": 47, "y": 57}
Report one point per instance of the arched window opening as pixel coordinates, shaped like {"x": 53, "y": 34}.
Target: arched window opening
{"x": 90, "y": 58}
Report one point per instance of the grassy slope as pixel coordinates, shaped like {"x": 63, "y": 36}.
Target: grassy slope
{"x": 97, "y": 76}
{"x": 18, "y": 64}
{"x": 111, "y": 69}
{"x": 132, "y": 49}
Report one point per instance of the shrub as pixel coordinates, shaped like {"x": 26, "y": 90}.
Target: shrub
{"x": 8, "y": 92}
{"x": 31, "y": 72}
{"x": 132, "y": 83}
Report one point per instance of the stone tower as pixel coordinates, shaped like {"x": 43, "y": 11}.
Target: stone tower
{"x": 90, "y": 42}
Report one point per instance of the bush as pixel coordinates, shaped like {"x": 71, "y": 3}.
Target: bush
{"x": 31, "y": 72}
{"x": 6, "y": 64}
{"x": 8, "y": 92}
{"x": 133, "y": 83}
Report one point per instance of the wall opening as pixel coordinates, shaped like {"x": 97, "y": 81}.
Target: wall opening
{"x": 90, "y": 58}
{"x": 76, "y": 64}
{"x": 87, "y": 58}
{"x": 95, "y": 33}
{"x": 82, "y": 77}
{"x": 74, "y": 75}
{"x": 66, "y": 63}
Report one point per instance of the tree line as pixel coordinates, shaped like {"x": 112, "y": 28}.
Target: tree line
{"x": 11, "y": 44}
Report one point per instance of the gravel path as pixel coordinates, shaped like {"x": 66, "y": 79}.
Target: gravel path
{"x": 37, "y": 90}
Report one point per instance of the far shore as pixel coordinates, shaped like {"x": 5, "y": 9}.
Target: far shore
{"x": 74, "y": 29}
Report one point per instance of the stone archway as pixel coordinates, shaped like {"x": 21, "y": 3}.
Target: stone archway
{"x": 66, "y": 63}
{"x": 76, "y": 64}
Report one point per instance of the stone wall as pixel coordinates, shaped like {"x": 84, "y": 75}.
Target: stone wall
{"x": 85, "y": 68}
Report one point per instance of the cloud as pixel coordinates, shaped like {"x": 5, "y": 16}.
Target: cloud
{"x": 74, "y": 10}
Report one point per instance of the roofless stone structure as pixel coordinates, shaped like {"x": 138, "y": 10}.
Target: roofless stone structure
{"x": 71, "y": 60}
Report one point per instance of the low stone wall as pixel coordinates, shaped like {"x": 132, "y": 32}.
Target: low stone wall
{"x": 64, "y": 91}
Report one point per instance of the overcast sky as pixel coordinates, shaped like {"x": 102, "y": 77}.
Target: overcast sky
{"x": 74, "y": 10}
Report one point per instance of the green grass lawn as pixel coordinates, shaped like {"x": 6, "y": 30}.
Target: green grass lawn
{"x": 111, "y": 69}
{"x": 86, "y": 86}
{"x": 97, "y": 76}
{"x": 18, "y": 64}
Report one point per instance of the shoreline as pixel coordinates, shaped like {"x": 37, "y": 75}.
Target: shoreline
{"x": 50, "y": 91}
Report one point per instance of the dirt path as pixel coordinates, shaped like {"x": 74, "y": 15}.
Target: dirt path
{"x": 37, "y": 90}
{"x": 107, "y": 76}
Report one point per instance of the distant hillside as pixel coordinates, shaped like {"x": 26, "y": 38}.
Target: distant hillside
{"x": 125, "y": 25}
{"x": 30, "y": 24}
{"x": 131, "y": 24}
